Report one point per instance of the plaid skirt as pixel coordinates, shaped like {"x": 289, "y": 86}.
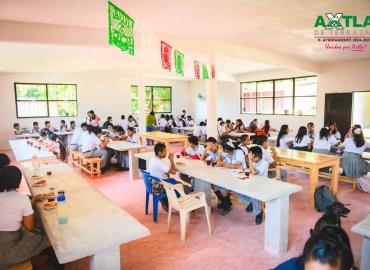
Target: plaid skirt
{"x": 20, "y": 246}
{"x": 353, "y": 165}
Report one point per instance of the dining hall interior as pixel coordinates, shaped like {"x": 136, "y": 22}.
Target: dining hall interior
{"x": 184, "y": 135}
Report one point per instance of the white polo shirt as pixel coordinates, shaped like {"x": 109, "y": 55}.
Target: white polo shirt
{"x": 198, "y": 150}
{"x": 350, "y": 146}
{"x": 84, "y": 134}
{"x": 90, "y": 143}
{"x": 324, "y": 143}
{"x": 162, "y": 122}
{"x": 238, "y": 157}
{"x": 262, "y": 167}
{"x": 133, "y": 139}
{"x": 212, "y": 155}
{"x": 158, "y": 168}
{"x": 284, "y": 141}
{"x": 77, "y": 133}
{"x": 124, "y": 124}
{"x": 302, "y": 143}
{"x": 14, "y": 206}
{"x": 266, "y": 155}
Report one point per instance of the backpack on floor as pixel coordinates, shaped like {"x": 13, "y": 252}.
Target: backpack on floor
{"x": 323, "y": 197}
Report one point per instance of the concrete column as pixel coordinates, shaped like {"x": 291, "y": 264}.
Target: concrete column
{"x": 211, "y": 104}
{"x": 141, "y": 101}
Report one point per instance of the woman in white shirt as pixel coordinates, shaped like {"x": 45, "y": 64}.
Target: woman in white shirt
{"x": 324, "y": 142}
{"x": 333, "y": 131}
{"x": 353, "y": 164}
{"x": 221, "y": 129}
{"x": 131, "y": 121}
{"x": 283, "y": 140}
{"x": 20, "y": 238}
{"x": 301, "y": 140}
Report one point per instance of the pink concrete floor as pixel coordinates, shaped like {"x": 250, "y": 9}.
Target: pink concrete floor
{"x": 236, "y": 243}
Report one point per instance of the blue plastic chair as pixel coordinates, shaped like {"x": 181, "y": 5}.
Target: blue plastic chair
{"x": 149, "y": 191}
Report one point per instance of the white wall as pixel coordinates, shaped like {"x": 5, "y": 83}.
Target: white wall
{"x": 107, "y": 93}
{"x": 338, "y": 77}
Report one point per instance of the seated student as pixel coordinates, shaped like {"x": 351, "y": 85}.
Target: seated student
{"x": 123, "y": 156}
{"x": 189, "y": 121}
{"x": 181, "y": 122}
{"x": 73, "y": 146}
{"x": 219, "y": 120}
{"x": 4, "y": 160}
{"x": 92, "y": 146}
{"x": 283, "y": 141}
{"x": 43, "y": 137}
{"x": 333, "y": 131}
{"x": 229, "y": 126}
{"x": 253, "y": 125}
{"x": 63, "y": 126}
{"x": 231, "y": 157}
{"x": 17, "y": 129}
{"x": 109, "y": 121}
{"x": 266, "y": 128}
{"x": 324, "y": 142}
{"x": 329, "y": 249}
{"x": 171, "y": 122}
{"x": 49, "y": 129}
{"x": 239, "y": 126}
{"x": 195, "y": 150}
{"x": 257, "y": 166}
{"x": 35, "y": 128}
{"x": 353, "y": 164}
{"x": 20, "y": 237}
{"x": 262, "y": 142}
{"x": 119, "y": 134}
{"x": 161, "y": 170}
{"x": 84, "y": 134}
{"x": 162, "y": 122}
{"x": 301, "y": 140}
{"x": 72, "y": 126}
{"x": 111, "y": 133}
{"x": 310, "y": 131}
{"x": 211, "y": 151}
{"x": 132, "y": 121}
{"x": 244, "y": 143}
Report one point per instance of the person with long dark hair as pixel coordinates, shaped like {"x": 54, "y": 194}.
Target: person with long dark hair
{"x": 239, "y": 126}
{"x": 267, "y": 128}
{"x": 353, "y": 164}
{"x": 323, "y": 143}
{"x": 253, "y": 125}
{"x": 327, "y": 249}
{"x": 283, "y": 140}
{"x": 301, "y": 140}
{"x": 333, "y": 131}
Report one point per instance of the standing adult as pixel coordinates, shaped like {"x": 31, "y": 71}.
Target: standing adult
{"x": 150, "y": 123}
{"x": 95, "y": 120}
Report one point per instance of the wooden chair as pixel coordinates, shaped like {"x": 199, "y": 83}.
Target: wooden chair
{"x": 75, "y": 158}
{"x": 27, "y": 265}
{"x": 185, "y": 204}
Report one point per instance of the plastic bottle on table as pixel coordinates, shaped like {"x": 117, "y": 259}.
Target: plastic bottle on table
{"x": 62, "y": 209}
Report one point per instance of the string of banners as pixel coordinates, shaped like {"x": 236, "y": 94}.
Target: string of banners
{"x": 121, "y": 35}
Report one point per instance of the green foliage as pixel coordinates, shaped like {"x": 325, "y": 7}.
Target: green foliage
{"x": 161, "y": 99}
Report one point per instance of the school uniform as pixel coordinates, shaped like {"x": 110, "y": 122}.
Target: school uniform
{"x": 221, "y": 130}
{"x": 63, "y": 128}
{"x": 162, "y": 123}
{"x": 244, "y": 148}
{"x": 35, "y": 130}
{"x": 123, "y": 157}
{"x": 189, "y": 123}
{"x": 337, "y": 135}
{"x": 204, "y": 132}
{"x": 131, "y": 123}
{"x": 266, "y": 155}
{"x": 262, "y": 170}
{"x": 197, "y": 131}
{"x": 311, "y": 135}
{"x": 353, "y": 164}
{"x": 73, "y": 146}
{"x": 16, "y": 243}
{"x": 198, "y": 150}
{"x": 284, "y": 142}
{"x": 17, "y": 132}
{"x": 302, "y": 145}
{"x": 91, "y": 148}
{"x": 124, "y": 124}
{"x": 323, "y": 145}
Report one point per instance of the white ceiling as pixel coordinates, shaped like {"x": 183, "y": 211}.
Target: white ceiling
{"x": 284, "y": 27}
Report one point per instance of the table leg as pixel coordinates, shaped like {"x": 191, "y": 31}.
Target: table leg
{"x": 314, "y": 180}
{"x": 108, "y": 259}
{"x": 133, "y": 164}
{"x": 202, "y": 186}
{"x": 365, "y": 258}
{"x": 334, "y": 177}
{"x": 167, "y": 146}
{"x": 276, "y": 226}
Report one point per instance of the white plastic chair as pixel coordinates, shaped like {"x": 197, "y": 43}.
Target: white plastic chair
{"x": 185, "y": 204}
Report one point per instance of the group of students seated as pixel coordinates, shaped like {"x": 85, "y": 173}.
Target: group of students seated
{"x": 168, "y": 122}
{"x": 90, "y": 142}
{"x": 17, "y": 130}
{"x": 22, "y": 235}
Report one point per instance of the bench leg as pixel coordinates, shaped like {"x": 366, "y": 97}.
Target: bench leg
{"x": 276, "y": 226}
{"x": 314, "y": 181}
{"x": 108, "y": 259}
{"x": 133, "y": 164}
